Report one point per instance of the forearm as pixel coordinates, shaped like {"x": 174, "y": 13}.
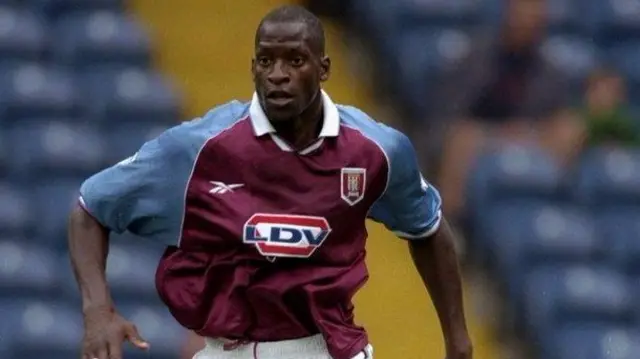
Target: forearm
{"x": 436, "y": 260}
{"x": 88, "y": 250}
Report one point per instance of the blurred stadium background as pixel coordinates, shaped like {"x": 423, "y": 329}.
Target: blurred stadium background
{"x": 523, "y": 111}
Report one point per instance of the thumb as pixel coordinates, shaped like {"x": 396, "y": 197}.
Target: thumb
{"x": 134, "y": 338}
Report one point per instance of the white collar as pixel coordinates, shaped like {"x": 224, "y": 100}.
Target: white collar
{"x": 262, "y": 126}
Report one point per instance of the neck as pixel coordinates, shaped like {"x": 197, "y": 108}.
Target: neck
{"x": 302, "y": 130}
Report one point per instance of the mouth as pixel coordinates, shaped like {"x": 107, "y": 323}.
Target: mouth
{"x": 279, "y": 98}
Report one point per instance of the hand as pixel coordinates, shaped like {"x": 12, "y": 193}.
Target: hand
{"x": 460, "y": 348}
{"x": 105, "y": 331}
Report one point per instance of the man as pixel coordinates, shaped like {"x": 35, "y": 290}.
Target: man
{"x": 263, "y": 208}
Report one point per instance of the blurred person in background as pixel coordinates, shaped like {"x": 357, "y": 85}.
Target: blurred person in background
{"x": 603, "y": 119}
{"x": 498, "y": 92}
{"x": 606, "y": 111}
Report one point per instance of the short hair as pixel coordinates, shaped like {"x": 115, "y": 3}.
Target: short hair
{"x": 297, "y": 13}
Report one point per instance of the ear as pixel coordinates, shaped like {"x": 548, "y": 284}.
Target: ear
{"x": 325, "y": 68}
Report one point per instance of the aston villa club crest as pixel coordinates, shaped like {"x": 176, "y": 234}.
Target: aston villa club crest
{"x": 352, "y": 183}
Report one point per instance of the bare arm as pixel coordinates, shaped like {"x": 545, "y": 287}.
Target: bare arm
{"x": 88, "y": 250}
{"x": 436, "y": 261}
{"x": 105, "y": 329}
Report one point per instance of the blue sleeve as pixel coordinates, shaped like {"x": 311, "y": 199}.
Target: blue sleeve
{"x": 410, "y": 207}
{"x": 135, "y": 194}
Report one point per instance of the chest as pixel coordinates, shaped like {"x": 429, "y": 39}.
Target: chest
{"x": 257, "y": 200}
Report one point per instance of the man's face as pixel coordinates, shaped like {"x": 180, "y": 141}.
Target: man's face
{"x": 526, "y": 20}
{"x": 287, "y": 72}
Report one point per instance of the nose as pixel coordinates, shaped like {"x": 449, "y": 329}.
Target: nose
{"x": 278, "y": 74}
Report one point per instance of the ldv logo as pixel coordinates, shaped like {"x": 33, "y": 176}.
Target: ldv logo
{"x": 279, "y": 235}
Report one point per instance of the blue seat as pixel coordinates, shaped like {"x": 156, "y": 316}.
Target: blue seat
{"x": 53, "y": 200}
{"x": 609, "y": 177}
{"x": 15, "y": 212}
{"x": 56, "y": 146}
{"x": 421, "y": 56}
{"x": 157, "y": 326}
{"x": 574, "y": 56}
{"x": 54, "y": 9}
{"x": 100, "y": 38}
{"x": 32, "y": 326}
{"x": 131, "y": 95}
{"x": 4, "y": 151}
{"x": 604, "y": 342}
{"x": 536, "y": 235}
{"x": 26, "y": 269}
{"x": 625, "y": 57}
{"x": 516, "y": 171}
{"x": 584, "y": 294}
{"x": 621, "y": 228}
{"x": 568, "y": 16}
{"x": 22, "y": 35}
{"x": 440, "y": 12}
{"x": 616, "y": 20}
{"x": 512, "y": 173}
{"x": 372, "y": 16}
{"x": 125, "y": 140}
{"x": 131, "y": 269}
{"x": 32, "y": 90}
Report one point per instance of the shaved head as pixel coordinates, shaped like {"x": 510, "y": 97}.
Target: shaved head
{"x": 297, "y": 14}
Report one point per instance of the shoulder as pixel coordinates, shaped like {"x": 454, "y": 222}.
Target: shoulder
{"x": 391, "y": 141}
{"x": 191, "y": 135}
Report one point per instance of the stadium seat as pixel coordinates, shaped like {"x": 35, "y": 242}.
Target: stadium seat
{"x": 52, "y": 200}
{"x": 422, "y": 57}
{"x": 516, "y": 171}
{"x": 621, "y": 228}
{"x": 39, "y": 328}
{"x": 56, "y": 146}
{"x": 616, "y": 21}
{"x": 609, "y": 177}
{"x": 512, "y": 173}
{"x": 26, "y": 269}
{"x": 605, "y": 342}
{"x": 30, "y": 90}
{"x": 440, "y": 12}
{"x": 584, "y": 294}
{"x": 131, "y": 95}
{"x": 4, "y": 152}
{"x": 16, "y": 211}
{"x": 100, "y": 38}
{"x": 535, "y": 235}
{"x": 22, "y": 35}
{"x": 125, "y": 140}
{"x": 574, "y": 56}
{"x": 625, "y": 57}
{"x": 54, "y": 9}
{"x": 131, "y": 269}
{"x": 567, "y": 16}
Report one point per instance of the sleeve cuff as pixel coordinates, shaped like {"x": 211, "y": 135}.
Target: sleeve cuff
{"x": 431, "y": 229}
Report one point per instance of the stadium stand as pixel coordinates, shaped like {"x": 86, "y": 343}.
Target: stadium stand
{"x": 563, "y": 245}
{"x": 77, "y": 93}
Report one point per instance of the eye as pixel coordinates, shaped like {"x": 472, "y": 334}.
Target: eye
{"x": 297, "y": 61}
{"x": 264, "y": 61}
